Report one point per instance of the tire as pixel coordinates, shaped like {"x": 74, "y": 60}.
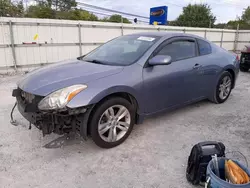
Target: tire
{"x": 102, "y": 116}
{"x": 243, "y": 69}
{"x": 218, "y": 95}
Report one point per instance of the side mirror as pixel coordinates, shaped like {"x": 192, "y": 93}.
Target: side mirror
{"x": 160, "y": 60}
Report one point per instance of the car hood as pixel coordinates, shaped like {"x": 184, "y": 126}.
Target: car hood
{"x": 63, "y": 74}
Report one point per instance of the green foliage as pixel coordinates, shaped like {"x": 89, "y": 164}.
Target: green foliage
{"x": 40, "y": 11}
{"x": 11, "y": 9}
{"x": 198, "y": 15}
{"x": 220, "y": 25}
{"x": 246, "y": 15}
{"x": 62, "y": 5}
{"x": 117, "y": 19}
{"x": 76, "y": 15}
{"x": 234, "y": 24}
{"x": 243, "y": 22}
{"x": 105, "y": 19}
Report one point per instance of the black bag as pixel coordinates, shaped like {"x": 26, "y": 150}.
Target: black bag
{"x": 199, "y": 158}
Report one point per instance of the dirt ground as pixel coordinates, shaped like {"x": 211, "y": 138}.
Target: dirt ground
{"x": 154, "y": 156}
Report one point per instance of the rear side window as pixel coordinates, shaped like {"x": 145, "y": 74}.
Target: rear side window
{"x": 178, "y": 50}
{"x": 204, "y": 47}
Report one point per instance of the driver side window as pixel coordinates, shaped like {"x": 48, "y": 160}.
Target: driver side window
{"x": 178, "y": 50}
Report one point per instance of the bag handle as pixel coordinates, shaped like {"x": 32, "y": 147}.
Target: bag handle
{"x": 208, "y": 143}
{"x": 233, "y": 152}
{"x": 207, "y": 184}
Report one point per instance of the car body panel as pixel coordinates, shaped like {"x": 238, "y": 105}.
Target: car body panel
{"x": 56, "y": 76}
{"x": 170, "y": 85}
{"x": 129, "y": 80}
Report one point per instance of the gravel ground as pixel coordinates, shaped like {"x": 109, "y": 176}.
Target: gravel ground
{"x": 155, "y": 155}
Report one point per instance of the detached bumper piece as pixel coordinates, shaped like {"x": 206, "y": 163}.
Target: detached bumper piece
{"x": 59, "y": 122}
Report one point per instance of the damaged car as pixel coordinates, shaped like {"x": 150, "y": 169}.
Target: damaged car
{"x": 245, "y": 59}
{"x": 105, "y": 92}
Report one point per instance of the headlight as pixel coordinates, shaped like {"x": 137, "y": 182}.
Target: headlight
{"x": 60, "y": 98}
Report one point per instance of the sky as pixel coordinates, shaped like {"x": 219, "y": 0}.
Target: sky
{"x": 224, "y": 10}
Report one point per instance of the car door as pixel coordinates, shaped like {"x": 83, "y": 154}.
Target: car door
{"x": 174, "y": 84}
{"x": 208, "y": 66}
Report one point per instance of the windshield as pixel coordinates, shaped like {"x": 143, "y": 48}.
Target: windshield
{"x": 121, "y": 51}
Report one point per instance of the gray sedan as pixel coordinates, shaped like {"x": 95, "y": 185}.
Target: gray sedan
{"x": 104, "y": 93}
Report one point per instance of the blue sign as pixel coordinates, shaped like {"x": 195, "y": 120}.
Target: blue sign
{"x": 159, "y": 15}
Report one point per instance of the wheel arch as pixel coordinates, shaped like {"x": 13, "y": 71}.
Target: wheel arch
{"x": 122, "y": 94}
{"x": 122, "y": 91}
{"x": 226, "y": 69}
{"x": 231, "y": 71}
{"x": 128, "y": 96}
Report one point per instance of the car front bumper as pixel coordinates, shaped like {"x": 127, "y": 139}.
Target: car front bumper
{"x": 59, "y": 122}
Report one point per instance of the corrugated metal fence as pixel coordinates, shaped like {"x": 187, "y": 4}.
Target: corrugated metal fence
{"x": 63, "y": 39}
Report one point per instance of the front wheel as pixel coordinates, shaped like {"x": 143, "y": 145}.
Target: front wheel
{"x": 112, "y": 122}
{"x": 224, "y": 87}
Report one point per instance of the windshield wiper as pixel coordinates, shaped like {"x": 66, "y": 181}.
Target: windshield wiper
{"x": 94, "y": 61}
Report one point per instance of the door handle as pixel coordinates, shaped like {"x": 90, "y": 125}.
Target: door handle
{"x": 197, "y": 66}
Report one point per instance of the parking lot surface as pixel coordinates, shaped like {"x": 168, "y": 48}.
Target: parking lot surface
{"x": 154, "y": 156}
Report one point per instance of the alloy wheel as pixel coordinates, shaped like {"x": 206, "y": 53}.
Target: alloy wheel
{"x": 114, "y": 123}
{"x": 225, "y": 87}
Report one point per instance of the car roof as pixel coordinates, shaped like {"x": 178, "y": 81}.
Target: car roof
{"x": 166, "y": 34}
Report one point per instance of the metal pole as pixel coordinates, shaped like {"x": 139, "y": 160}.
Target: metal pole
{"x": 12, "y": 45}
{"x": 80, "y": 39}
{"x": 210, "y": 23}
{"x": 221, "y": 40}
{"x": 122, "y": 25}
{"x": 205, "y": 34}
{"x": 236, "y": 38}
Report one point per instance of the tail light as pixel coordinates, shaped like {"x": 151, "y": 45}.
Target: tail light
{"x": 237, "y": 57}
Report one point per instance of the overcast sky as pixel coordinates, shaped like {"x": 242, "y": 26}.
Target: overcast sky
{"x": 224, "y": 10}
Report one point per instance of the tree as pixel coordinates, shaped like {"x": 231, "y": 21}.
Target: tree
{"x": 117, "y": 19}
{"x": 105, "y": 19}
{"x": 11, "y": 9}
{"x": 62, "y": 5}
{"x": 246, "y": 15}
{"x": 198, "y": 15}
{"x": 58, "y": 5}
{"x": 243, "y": 21}
{"x": 220, "y": 26}
{"x": 233, "y": 24}
{"x": 76, "y": 15}
{"x": 42, "y": 10}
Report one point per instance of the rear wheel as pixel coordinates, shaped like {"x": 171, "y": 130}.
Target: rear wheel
{"x": 224, "y": 87}
{"x": 112, "y": 122}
